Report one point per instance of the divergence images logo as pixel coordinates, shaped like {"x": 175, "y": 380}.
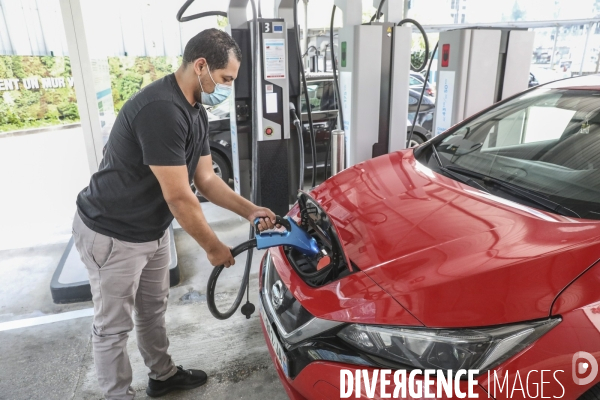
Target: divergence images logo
{"x": 580, "y": 367}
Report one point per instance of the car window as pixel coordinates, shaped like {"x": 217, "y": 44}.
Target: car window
{"x": 320, "y": 95}
{"x": 414, "y": 81}
{"x": 412, "y": 100}
{"x": 546, "y": 141}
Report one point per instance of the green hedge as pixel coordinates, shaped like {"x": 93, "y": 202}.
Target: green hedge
{"x": 31, "y": 108}
{"x": 20, "y": 109}
{"x": 130, "y": 74}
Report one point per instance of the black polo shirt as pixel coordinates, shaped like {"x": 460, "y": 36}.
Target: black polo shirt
{"x": 156, "y": 126}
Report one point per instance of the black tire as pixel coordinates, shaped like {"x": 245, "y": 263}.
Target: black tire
{"x": 416, "y": 139}
{"x": 592, "y": 394}
{"x": 221, "y": 164}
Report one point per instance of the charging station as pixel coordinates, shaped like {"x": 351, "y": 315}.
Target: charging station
{"x": 477, "y": 68}
{"x": 373, "y": 103}
{"x": 277, "y": 78}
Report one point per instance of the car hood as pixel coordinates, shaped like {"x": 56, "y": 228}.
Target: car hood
{"x": 450, "y": 254}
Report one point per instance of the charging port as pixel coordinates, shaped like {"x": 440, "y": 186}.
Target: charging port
{"x": 330, "y": 263}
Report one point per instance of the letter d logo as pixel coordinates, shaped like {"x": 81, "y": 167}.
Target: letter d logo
{"x": 580, "y": 367}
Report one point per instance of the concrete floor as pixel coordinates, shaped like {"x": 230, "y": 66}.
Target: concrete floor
{"x": 54, "y": 361}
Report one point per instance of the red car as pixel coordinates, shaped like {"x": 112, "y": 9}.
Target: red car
{"x": 477, "y": 250}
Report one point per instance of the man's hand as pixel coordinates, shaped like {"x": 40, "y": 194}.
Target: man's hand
{"x": 220, "y": 254}
{"x": 267, "y": 218}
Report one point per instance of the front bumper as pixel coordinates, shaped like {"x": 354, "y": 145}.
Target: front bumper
{"x": 316, "y": 361}
{"x": 315, "y": 356}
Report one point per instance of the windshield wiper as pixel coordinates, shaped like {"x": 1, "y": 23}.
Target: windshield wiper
{"x": 464, "y": 179}
{"x": 517, "y": 191}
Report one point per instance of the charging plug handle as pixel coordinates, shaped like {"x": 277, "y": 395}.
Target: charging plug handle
{"x": 278, "y": 221}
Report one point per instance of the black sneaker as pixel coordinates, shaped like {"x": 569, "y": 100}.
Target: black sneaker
{"x": 183, "y": 379}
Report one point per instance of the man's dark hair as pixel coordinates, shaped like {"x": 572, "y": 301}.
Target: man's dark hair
{"x": 214, "y": 45}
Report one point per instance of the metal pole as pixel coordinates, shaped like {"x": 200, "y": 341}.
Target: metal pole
{"x": 587, "y": 39}
{"x": 305, "y": 28}
{"x": 337, "y": 151}
{"x": 556, "y": 32}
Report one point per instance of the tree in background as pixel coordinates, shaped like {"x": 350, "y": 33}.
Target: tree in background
{"x": 518, "y": 14}
{"x": 222, "y": 22}
{"x": 129, "y": 74}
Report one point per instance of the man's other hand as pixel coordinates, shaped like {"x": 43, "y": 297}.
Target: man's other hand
{"x": 220, "y": 254}
{"x": 266, "y": 216}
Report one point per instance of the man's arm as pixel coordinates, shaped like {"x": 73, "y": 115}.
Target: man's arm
{"x": 218, "y": 192}
{"x": 186, "y": 209}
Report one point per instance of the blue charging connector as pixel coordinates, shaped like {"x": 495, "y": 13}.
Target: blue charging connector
{"x": 293, "y": 236}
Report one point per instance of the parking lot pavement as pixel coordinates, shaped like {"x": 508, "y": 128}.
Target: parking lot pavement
{"x": 54, "y": 361}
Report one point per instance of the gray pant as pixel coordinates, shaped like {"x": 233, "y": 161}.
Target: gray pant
{"x": 126, "y": 277}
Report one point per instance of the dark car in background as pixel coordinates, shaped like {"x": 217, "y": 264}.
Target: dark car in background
{"x": 416, "y": 81}
{"x": 324, "y": 110}
{"x": 219, "y": 131}
{"x": 532, "y": 80}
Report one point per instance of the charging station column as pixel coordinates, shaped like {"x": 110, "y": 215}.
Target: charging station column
{"x": 274, "y": 127}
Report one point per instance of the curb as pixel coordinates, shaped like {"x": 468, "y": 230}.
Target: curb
{"x": 38, "y": 130}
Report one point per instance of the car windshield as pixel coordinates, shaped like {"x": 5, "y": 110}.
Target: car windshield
{"x": 320, "y": 96}
{"x": 544, "y": 143}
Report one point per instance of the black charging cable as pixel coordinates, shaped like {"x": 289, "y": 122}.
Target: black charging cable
{"x": 377, "y": 15}
{"x": 185, "y": 6}
{"x": 336, "y": 83}
{"x": 248, "y": 308}
{"x": 425, "y": 39}
{"x": 307, "y": 50}
{"x": 412, "y": 128}
{"x": 298, "y": 126}
{"x": 311, "y": 129}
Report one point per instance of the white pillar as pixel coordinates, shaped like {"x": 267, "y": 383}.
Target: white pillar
{"x": 352, "y": 10}
{"x": 393, "y": 11}
{"x": 81, "y": 68}
{"x": 587, "y": 39}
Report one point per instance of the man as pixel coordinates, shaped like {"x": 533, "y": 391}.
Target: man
{"x": 158, "y": 145}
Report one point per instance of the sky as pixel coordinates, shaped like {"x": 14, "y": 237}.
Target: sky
{"x": 437, "y": 11}
{"x": 535, "y": 10}
{"x": 430, "y": 11}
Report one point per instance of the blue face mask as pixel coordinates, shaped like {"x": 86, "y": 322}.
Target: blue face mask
{"x": 218, "y": 96}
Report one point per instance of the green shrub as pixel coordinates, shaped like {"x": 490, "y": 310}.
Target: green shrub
{"x": 17, "y": 67}
{"x": 68, "y": 111}
{"x": 40, "y": 107}
{"x": 130, "y": 84}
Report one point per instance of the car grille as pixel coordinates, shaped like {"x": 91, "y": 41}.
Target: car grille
{"x": 281, "y": 303}
{"x": 294, "y": 323}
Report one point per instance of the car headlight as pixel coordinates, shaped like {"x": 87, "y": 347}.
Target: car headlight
{"x": 446, "y": 349}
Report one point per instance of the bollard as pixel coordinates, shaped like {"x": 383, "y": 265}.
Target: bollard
{"x": 338, "y": 151}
